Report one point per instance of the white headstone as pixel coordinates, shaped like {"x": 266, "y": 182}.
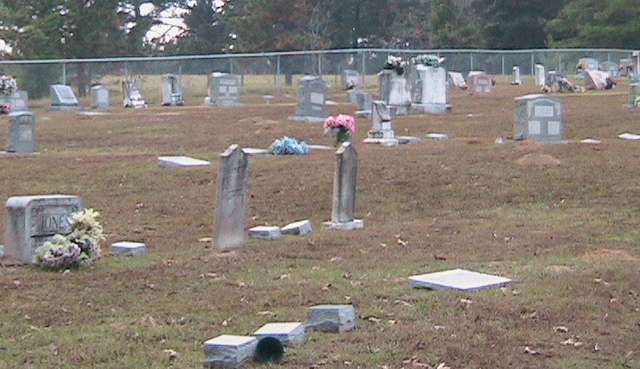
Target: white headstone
{"x": 458, "y": 80}
{"x": 517, "y": 81}
{"x": 265, "y": 233}
{"x": 432, "y": 95}
{"x": 298, "y": 228}
{"x": 395, "y": 91}
{"x": 540, "y": 75}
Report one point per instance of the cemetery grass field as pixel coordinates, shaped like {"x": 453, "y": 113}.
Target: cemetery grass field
{"x": 561, "y": 220}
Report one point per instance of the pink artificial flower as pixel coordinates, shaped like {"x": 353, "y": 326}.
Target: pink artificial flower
{"x": 341, "y": 121}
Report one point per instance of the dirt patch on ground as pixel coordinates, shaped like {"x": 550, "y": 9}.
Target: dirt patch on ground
{"x": 538, "y": 160}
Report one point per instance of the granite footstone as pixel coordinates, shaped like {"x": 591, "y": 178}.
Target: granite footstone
{"x": 458, "y": 280}
{"x": 332, "y": 318}
{"x": 229, "y": 352}
{"x": 298, "y": 228}
{"x": 126, "y": 248}
{"x": 290, "y": 334}
{"x": 265, "y": 233}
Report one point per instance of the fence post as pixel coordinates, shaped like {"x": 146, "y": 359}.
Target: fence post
{"x": 559, "y": 62}
{"x": 533, "y": 64}
{"x": 503, "y": 65}
{"x": 64, "y": 73}
{"x": 470, "y": 61}
{"x": 363, "y": 69}
{"x": 320, "y": 65}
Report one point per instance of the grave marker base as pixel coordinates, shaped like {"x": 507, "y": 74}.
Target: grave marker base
{"x": 290, "y": 334}
{"x": 64, "y": 108}
{"x": 431, "y": 108}
{"x": 265, "y": 233}
{"x": 382, "y": 141}
{"x": 229, "y": 352}
{"x": 347, "y": 226}
{"x": 332, "y": 318}
{"x": 298, "y": 228}
{"x": 129, "y": 249}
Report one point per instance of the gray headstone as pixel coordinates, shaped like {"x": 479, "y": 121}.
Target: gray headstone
{"x": 34, "y": 220}
{"x": 231, "y": 206}
{"x": 229, "y": 352}
{"x": 129, "y": 248}
{"x": 172, "y": 94}
{"x": 100, "y": 97}
{"x": 626, "y": 64}
{"x": 481, "y": 84}
{"x": 382, "y": 126}
{"x": 18, "y": 101}
{"x": 431, "y": 93}
{"x": 290, "y": 334}
{"x": 63, "y": 99}
{"x": 224, "y": 89}
{"x": 395, "y": 91}
{"x": 458, "y": 80}
{"x": 312, "y": 101}
{"x": 458, "y": 280}
{"x": 22, "y": 133}
{"x": 332, "y": 318}
{"x": 540, "y": 118}
{"x": 344, "y": 190}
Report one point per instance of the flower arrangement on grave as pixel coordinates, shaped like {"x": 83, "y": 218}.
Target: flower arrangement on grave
{"x": 428, "y": 60}
{"x": 396, "y": 64}
{"x": 81, "y": 247}
{"x": 289, "y": 146}
{"x": 343, "y": 127}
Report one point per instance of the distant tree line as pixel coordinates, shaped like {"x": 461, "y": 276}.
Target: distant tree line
{"x": 37, "y": 29}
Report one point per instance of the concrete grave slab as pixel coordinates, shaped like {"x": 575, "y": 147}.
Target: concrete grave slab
{"x": 254, "y": 152}
{"x": 629, "y": 136}
{"x": 229, "y": 352}
{"x": 458, "y": 280}
{"x": 265, "y": 233}
{"x": 290, "y": 334}
{"x": 298, "y": 228}
{"x": 126, "y": 248}
{"x": 591, "y": 141}
{"x": 182, "y": 162}
{"x": 332, "y": 318}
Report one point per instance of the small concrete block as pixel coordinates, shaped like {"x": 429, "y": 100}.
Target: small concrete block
{"x": 408, "y": 140}
{"x": 386, "y": 142}
{"x": 332, "y": 318}
{"x": 458, "y": 280}
{"x": 182, "y": 162}
{"x": 437, "y": 136}
{"x": 290, "y": 334}
{"x": 347, "y": 226}
{"x": 229, "y": 352}
{"x": 1, "y": 251}
{"x": 265, "y": 233}
{"x": 252, "y": 151}
{"x": 129, "y": 249}
{"x": 298, "y": 228}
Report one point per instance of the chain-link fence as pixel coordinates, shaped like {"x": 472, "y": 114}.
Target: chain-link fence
{"x": 277, "y": 73}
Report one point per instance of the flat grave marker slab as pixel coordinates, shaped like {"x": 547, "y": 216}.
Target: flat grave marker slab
{"x": 458, "y": 280}
{"x": 290, "y": 334}
{"x": 298, "y": 228}
{"x": 126, "y": 248}
{"x": 182, "y": 162}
